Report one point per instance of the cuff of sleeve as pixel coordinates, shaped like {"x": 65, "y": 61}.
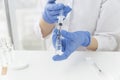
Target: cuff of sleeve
{"x": 106, "y": 43}
{"x": 37, "y": 30}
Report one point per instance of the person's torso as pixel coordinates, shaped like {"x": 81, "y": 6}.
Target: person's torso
{"x": 84, "y": 15}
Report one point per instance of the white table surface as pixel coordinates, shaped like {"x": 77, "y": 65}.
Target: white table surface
{"x": 42, "y": 67}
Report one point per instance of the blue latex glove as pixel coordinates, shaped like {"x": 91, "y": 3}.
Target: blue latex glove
{"x": 70, "y": 42}
{"x": 52, "y": 11}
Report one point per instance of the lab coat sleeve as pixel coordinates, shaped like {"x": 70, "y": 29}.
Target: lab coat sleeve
{"x": 39, "y": 10}
{"x": 108, "y": 26}
{"x": 37, "y": 30}
{"x": 106, "y": 42}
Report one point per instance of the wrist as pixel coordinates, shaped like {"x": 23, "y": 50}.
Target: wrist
{"x": 93, "y": 44}
{"x": 87, "y": 39}
{"x": 46, "y": 28}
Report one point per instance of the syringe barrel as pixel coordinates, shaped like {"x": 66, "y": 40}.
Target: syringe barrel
{"x": 61, "y": 17}
{"x": 58, "y": 41}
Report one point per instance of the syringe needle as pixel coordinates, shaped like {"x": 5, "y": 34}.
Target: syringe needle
{"x": 97, "y": 67}
{"x": 92, "y": 62}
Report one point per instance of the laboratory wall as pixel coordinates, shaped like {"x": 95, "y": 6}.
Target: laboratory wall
{"x": 3, "y": 22}
{"x": 26, "y": 15}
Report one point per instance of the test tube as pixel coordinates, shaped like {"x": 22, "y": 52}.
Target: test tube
{"x": 4, "y": 70}
{"x": 5, "y": 55}
{"x": 4, "y": 64}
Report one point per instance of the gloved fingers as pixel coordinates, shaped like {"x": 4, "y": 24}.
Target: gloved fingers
{"x": 55, "y": 30}
{"x": 54, "y": 18}
{"x": 54, "y": 36}
{"x": 63, "y": 45}
{"x": 51, "y": 1}
{"x": 54, "y": 13}
{"x": 52, "y": 7}
{"x": 64, "y": 56}
{"x": 59, "y": 57}
{"x": 67, "y": 9}
{"x": 55, "y": 9}
{"x": 67, "y": 35}
{"x": 47, "y": 17}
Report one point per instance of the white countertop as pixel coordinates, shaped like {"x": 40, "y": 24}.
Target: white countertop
{"x": 42, "y": 67}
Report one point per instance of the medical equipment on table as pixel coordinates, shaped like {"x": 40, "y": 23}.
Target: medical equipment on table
{"x": 58, "y": 40}
{"x": 5, "y": 55}
{"x": 92, "y": 62}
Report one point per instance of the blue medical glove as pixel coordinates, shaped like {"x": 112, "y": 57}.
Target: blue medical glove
{"x": 70, "y": 42}
{"x": 52, "y": 11}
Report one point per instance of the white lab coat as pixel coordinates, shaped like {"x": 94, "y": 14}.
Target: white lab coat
{"x": 85, "y": 17}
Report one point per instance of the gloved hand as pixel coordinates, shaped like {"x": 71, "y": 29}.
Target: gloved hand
{"x": 52, "y": 11}
{"x": 70, "y": 42}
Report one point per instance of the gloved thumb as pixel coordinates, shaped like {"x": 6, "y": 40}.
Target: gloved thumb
{"x": 67, "y": 34}
{"x": 67, "y": 9}
{"x": 54, "y": 36}
{"x": 51, "y": 1}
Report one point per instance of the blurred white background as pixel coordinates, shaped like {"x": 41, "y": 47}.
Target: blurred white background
{"x": 3, "y": 22}
{"x": 25, "y": 14}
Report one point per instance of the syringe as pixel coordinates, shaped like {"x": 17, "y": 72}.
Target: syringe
{"x": 92, "y": 62}
{"x": 58, "y": 40}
